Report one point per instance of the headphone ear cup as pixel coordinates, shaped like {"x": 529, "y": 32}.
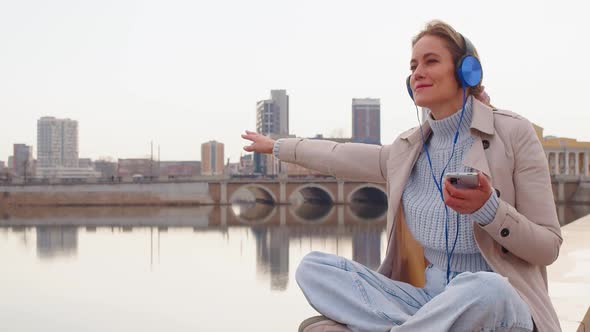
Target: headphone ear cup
{"x": 409, "y": 87}
{"x": 469, "y": 71}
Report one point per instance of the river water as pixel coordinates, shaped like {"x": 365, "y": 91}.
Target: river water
{"x": 176, "y": 269}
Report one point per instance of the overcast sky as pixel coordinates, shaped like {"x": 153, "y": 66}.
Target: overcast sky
{"x": 184, "y": 72}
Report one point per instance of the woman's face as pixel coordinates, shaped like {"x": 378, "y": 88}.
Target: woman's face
{"x": 433, "y": 73}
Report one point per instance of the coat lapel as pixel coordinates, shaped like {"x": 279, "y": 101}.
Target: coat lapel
{"x": 476, "y": 157}
{"x": 481, "y": 124}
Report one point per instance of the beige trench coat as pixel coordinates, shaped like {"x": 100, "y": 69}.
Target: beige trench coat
{"x": 520, "y": 242}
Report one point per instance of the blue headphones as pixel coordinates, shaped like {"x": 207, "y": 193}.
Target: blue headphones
{"x": 468, "y": 69}
{"x": 469, "y": 74}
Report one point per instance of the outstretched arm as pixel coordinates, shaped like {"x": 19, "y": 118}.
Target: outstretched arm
{"x": 350, "y": 161}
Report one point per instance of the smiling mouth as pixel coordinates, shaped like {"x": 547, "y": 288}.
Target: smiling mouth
{"x": 422, "y": 86}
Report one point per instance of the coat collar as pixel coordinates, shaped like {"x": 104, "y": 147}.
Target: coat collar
{"x": 483, "y": 121}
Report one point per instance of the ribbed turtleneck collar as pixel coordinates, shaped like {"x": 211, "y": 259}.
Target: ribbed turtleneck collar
{"x": 443, "y": 131}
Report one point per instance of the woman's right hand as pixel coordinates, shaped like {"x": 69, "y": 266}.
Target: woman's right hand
{"x": 260, "y": 143}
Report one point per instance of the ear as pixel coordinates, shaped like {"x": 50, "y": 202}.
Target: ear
{"x": 409, "y": 87}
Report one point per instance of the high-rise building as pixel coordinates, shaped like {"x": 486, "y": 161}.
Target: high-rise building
{"x": 272, "y": 115}
{"x": 57, "y": 143}
{"x": 267, "y": 121}
{"x": 366, "y": 120}
{"x": 280, "y": 100}
{"x": 10, "y": 163}
{"x": 212, "y": 158}
{"x": 272, "y": 119}
{"x": 22, "y": 160}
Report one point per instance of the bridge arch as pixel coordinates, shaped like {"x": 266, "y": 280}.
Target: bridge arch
{"x": 363, "y": 194}
{"x": 260, "y": 192}
{"x": 320, "y": 203}
{"x": 317, "y": 217}
{"x": 256, "y": 211}
{"x": 311, "y": 189}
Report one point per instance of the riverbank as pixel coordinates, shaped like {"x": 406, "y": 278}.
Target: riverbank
{"x": 115, "y": 194}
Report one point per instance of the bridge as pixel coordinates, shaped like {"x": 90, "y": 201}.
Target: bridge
{"x": 228, "y": 190}
{"x": 200, "y": 191}
{"x": 288, "y": 191}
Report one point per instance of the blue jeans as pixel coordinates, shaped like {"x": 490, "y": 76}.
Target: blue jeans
{"x": 364, "y": 300}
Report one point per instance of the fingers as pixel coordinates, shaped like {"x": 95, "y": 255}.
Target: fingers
{"x": 467, "y": 201}
{"x": 484, "y": 184}
{"x": 250, "y": 135}
{"x": 454, "y": 191}
{"x": 454, "y": 203}
{"x": 260, "y": 143}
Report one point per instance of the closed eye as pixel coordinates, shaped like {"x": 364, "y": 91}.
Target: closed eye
{"x": 429, "y": 61}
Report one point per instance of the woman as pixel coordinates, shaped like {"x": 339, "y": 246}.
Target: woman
{"x": 505, "y": 231}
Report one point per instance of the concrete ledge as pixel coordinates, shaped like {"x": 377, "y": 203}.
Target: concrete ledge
{"x": 569, "y": 277}
{"x": 585, "y": 324}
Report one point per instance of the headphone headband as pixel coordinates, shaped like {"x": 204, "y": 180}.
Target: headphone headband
{"x": 469, "y": 48}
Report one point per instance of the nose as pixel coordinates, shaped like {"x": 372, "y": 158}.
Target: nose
{"x": 417, "y": 75}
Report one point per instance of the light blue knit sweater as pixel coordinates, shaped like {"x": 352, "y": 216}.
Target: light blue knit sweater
{"x": 424, "y": 208}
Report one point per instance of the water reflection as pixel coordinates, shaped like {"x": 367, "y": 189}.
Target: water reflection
{"x": 203, "y": 251}
{"x": 272, "y": 255}
{"x": 312, "y": 213}
{"x": 366, "y": 247}
{"x": 357, "y": 229}
{"x": 56, "y": 241}
{"x": 274, "y": 228}
{"x": 252, "y": 213}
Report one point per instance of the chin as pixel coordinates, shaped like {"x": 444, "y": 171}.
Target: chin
{"x": 423, "y": 102}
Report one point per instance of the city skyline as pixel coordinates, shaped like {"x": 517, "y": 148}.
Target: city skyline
{"x": 180, "y": 74}
{"x": 272, "y": 118}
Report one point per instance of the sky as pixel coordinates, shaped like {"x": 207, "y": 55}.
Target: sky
{"x": 179, "y": 73}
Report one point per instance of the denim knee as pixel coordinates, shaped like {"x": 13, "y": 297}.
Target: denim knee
{"x": 310, "y": 264}
{"x": 489, "y": 287}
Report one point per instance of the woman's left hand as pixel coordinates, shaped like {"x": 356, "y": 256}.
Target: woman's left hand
{"x": 467, "y": 201}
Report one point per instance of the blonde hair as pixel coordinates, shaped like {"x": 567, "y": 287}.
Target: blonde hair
{"x": 454, "y": 42}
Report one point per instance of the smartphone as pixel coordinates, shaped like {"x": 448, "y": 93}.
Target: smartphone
{"x": 463, "y": 179}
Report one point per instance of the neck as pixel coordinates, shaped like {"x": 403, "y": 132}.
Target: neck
{"x": 448, "y": 107}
